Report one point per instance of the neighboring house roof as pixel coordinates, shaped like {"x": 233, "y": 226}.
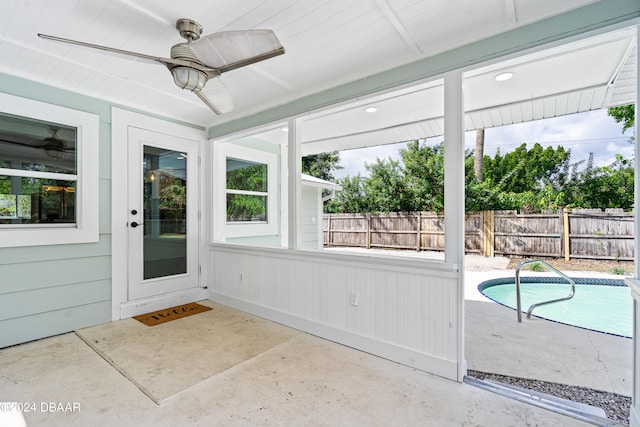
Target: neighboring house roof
{"x": 312, "y": 181}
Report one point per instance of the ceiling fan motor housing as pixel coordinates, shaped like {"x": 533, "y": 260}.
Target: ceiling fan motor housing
{"x": 189, "y": 29}
{"x": 186, "y": 77}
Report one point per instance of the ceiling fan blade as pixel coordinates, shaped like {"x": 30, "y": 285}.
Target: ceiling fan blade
{"x": 228, "y": 50}
{"x": 216, "y": 96}
{"x": 21, "y": 144}
{"x": 207, "y": 101}
{"x": 149, "y": 58}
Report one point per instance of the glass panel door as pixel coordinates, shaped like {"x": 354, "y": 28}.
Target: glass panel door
{"x": 163, "y": 213}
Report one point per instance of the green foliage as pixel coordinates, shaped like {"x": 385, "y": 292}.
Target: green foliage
{"x": 618, "y": 270}
{"x": 243, "y": 207}
{"x": 351, "y": 199}
{"x": 605, "y": 187}
{"x": 252, "y": 177}
{"x": 526, "y": 180}
{"x": 522, "y": 169}
{"x": 624, "y": 114}
{"x": 424, "y": 172}
{"x": 386, "y": 188}
{"x": 321, "y": 165}
{"x": 536, "y": 266}
{"x": 247, "y": 176}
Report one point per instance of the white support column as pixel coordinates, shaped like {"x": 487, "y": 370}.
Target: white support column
{"x": 453, "y": 169}
{"x": 636, "y": 181}
{"x": 454, "y": 195}
{"x": 635, "y": 403}
{"x": 294, "y": 193}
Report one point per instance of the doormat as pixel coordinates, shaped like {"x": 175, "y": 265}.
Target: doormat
{"x": 172, "y": 313}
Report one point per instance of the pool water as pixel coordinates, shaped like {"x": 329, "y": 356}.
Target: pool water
{"x": 605, "y": 307}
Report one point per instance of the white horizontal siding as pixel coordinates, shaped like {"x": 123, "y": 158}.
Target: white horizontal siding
{"x": 407, "y": 310}
{"x": 309, "y": 221}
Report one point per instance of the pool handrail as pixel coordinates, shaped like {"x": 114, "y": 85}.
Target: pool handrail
{"x": 558, "y": 272}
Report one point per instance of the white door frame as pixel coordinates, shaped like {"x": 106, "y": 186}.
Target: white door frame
{"x": 121, "y": 307}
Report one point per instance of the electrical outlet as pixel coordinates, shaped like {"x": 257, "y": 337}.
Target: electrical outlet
{"x": 355, "y": 299}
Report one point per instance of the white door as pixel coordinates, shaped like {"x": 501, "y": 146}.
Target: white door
{"x": 162, "y": 213}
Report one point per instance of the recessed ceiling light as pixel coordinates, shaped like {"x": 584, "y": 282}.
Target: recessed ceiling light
{"x": 503, "y": 76}
{"x": 370, "y": 110}
{"x": 285, "y": 129}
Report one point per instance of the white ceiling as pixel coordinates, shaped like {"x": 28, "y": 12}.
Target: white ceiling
{"x": 584, "y": 75}
{"x": 327, "y": 42}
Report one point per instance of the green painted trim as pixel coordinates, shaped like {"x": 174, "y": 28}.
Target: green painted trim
{"x": 592, "y": 17}
{"x": 38, "y": 91}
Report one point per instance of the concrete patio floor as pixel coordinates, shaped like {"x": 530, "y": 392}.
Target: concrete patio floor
{"x": 226, "y": 367}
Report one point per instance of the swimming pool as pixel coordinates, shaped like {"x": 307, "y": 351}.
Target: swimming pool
{"x": 603, "y": 305}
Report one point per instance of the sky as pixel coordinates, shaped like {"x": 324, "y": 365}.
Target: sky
{"x": 583, "y": 133}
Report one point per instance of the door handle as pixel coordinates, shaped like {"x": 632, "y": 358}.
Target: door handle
{"x": 135, "y": 224}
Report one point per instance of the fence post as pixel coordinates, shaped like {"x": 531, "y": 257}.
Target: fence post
{"x": 565, "y": 229}
{"x": 368, "y": 238}
{"x": 418, "y": 231}
{"x": 488, "y": 225}
{"x": 329, "y": 230}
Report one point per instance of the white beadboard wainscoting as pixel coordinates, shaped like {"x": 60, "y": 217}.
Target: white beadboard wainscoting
{"x": 404, "y": 310}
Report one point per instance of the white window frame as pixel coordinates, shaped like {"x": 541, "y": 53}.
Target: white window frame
{"x": 247, "y": 228}
{"x": 86, "y": 227}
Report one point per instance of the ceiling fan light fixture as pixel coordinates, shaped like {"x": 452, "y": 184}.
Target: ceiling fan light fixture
{"x": 188, "y": 78}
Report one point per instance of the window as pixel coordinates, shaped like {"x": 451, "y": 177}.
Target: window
{"x": 247, "y": 191}
{"x": 38, "y": 172}
{"x": 48, "y": 174}
{"x": 248, "y": 183}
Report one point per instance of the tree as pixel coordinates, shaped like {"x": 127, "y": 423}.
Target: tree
{"x": 523, "y": 170}
{"x": 478, "y": 155}
{"x": 247, "y": 207}
{"x": 321, "y": 165}
{"x": 385, "y": 189}
{"x": 424, "y": 176}
{"x": 624, "y": 114}
{"x": 352, "y": 197}
{"x": 604, "y": 187}
{"x": 527, "y": 180}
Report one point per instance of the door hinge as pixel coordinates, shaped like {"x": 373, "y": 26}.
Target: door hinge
{"x": 199, "y": 160}
{"x": 199, "y": 270}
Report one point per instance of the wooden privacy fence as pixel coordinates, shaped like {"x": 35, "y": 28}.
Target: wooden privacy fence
{"x": 577, "y": 233}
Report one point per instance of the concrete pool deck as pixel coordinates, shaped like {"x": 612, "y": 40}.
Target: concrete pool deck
{"x": 226, "y": 367}
{"x": 537, "y": 348}
{"x": 540, "y": 349}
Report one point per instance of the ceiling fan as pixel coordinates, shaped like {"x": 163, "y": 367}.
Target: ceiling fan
{"x": 203, "y": 59}
{"x": 54, "y": 146}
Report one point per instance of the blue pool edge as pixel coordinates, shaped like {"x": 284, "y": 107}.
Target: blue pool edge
{"x": 539, "y": 279}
